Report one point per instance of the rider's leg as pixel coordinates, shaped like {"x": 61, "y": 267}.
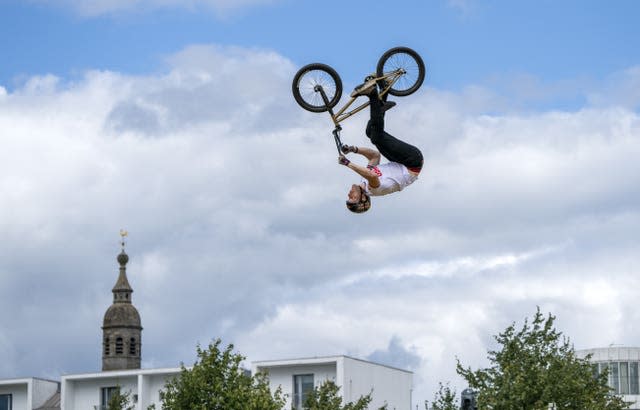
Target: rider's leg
{"x": 370, "y": 86}
{"x": 375, "y": 126}
{"x": 392, "y": 148}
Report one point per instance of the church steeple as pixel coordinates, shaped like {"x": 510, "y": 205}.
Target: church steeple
{"x": 122, "y": 332}
{"x": 122, "y": 290}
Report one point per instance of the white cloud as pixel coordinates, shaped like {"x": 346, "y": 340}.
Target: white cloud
{"x": 464, "y": 7}
{"x": 235, "y": 207}
{"x": 92, "y": 8}
{"x": 622, "y": 89}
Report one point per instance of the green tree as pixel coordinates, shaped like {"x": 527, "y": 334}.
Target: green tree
{"x": 536, "y": 366}
{"x": 326, "y": 397}
{"x": 217, "y": 382}
{"x": 444, "y": 399}
{"x": 120, "y": 401}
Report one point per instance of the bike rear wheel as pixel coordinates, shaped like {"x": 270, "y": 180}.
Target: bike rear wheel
{"x": 412, "y": 66}
{"x": 306, "y": 85}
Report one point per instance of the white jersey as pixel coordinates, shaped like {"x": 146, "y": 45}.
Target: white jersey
{"x": 393, "y": 177}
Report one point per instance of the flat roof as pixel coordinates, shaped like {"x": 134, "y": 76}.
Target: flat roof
{"x": 25, "y": 380}
{"x": 122, "y": 373}
{"x": 318, "y": 360}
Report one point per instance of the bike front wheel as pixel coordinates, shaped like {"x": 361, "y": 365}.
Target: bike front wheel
{"x": 308, "y": 82}
{"x": 409, "y": 64}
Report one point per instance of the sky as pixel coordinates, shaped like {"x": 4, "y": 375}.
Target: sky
{"x": 175, "y": 121}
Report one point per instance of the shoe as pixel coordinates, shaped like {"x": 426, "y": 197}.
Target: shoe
{"x": 365, "y": 88}
{"x": 387, "y": 105}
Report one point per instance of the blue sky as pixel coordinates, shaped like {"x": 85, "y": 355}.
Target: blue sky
{"x": 463, "y": 42}
{"x": 174, "y": 120}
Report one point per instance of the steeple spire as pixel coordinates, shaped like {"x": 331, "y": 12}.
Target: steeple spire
{"x": 122, "y": 331}
{"x": 122, "y": 290}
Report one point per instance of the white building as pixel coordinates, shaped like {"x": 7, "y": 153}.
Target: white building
{"x": 356, "y": 378}
{"x": 121, "y": 357}
{"x": 623, "y": 364}
{"x": 92, "y": 391}
{"x": 26, "y": 394}
{"x": 296, "y": 377}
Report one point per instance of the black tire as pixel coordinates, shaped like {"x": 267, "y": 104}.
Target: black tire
{"x": 408, "y": 60}
{"x": 305, "y": 91}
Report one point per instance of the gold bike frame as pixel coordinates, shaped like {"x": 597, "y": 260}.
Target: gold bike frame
{"x": 342, "y": 114}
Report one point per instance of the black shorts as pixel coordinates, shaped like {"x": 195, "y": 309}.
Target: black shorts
{"x": 394, "y": 149}
{"x": 389, "y": 146}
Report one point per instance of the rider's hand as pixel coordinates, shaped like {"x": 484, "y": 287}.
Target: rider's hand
{"x": 348, "y": 148}
{"x": 343, "y": 160}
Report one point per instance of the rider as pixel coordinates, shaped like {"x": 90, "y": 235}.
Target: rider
{"x": 405, "y": 160}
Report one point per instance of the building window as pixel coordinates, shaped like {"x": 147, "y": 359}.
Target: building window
{"x": 604, "y": 367}
{"x": 5, "y": 402}
{"x": 302, "y": 386}
{"x": 119, "y": 346}
{"x": 132, "y": 346}
{"x": 623, "y": 376}
{"x": 633, "y": 378}
{"x": 107, "y": 347}
{"x": 614, "y": 374}
{"x": 106, "y": 393}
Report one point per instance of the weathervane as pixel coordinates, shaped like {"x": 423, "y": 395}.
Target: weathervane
{"x": 123, "y": 234}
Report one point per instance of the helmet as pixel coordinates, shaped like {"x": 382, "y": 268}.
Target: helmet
{"x": 361, "y": 206}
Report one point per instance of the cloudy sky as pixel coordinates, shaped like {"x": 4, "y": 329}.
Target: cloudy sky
{"x": 175, "y": 120}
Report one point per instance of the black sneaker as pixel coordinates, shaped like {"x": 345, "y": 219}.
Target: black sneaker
{"x": 365, "y": 88}
{"x": 387, "y": 105}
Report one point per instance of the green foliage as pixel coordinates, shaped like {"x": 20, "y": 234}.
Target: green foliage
{"x": 217, "y": 382}
{"x": 120, "y": 401}
{"x": 444, "y": 399}
{"x": 326, "y": 397}
{"x": 536, "y": 366}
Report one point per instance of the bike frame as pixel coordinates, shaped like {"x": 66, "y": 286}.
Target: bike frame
{"x": 342, "y": 114}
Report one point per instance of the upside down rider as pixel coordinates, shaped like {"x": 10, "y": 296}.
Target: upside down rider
{"x": 405, "y": 160}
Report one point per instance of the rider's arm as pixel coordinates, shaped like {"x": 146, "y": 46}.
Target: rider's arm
{"x": 368, "y": 174}
{"x": 371, "y": 154}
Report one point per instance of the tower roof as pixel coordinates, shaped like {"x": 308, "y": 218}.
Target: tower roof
{"x": 121, "y": 327}
{"x": 122, "y": 313}
{"x": 122, "y": 284}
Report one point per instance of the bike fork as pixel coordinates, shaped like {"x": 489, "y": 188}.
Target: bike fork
{"x": 336, "y": 137}
{"x": 338, "y": 128}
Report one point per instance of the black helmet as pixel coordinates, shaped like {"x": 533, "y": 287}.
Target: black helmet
{"x": 361, "y": 206}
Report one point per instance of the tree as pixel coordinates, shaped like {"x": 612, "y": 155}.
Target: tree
{"x": 325, "y": 397}
{"x": 120, "y": 401}
{"x": 535, "y": 367}
{"x": 217, "y": 382}
{"x": 444, "y": 399}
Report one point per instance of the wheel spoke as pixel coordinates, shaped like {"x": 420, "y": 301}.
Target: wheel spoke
{"x": 308, "y": 83}
{"x": 407, "y": 63}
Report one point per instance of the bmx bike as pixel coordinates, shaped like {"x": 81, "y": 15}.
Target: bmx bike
{"x": 317, "y": 87}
